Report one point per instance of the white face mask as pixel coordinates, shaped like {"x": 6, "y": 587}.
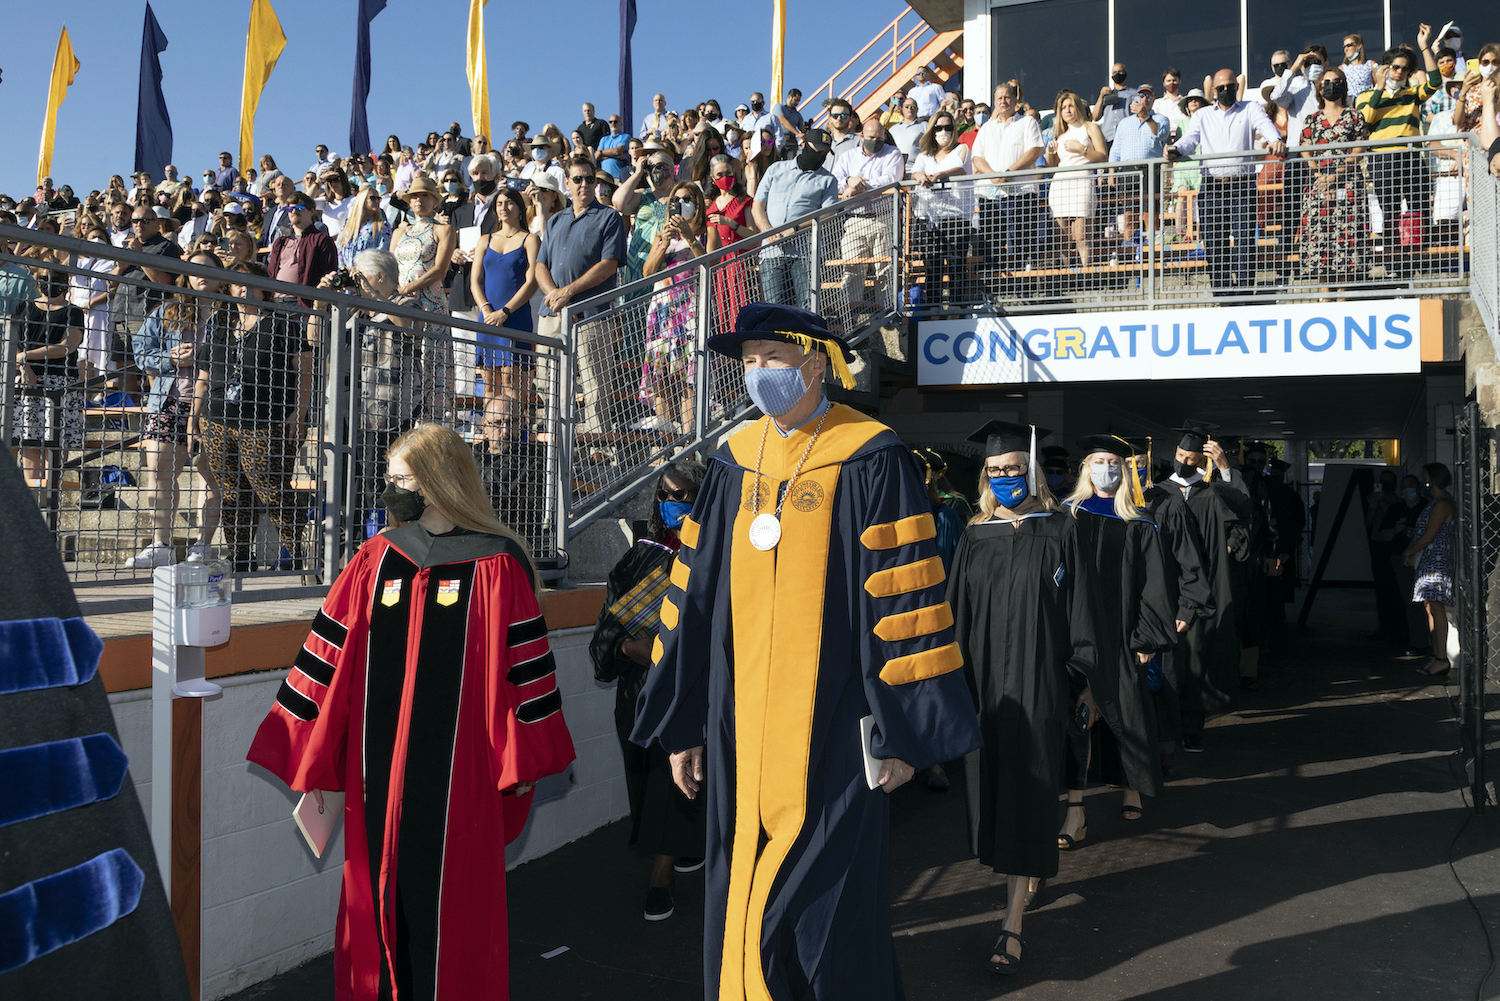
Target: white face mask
{"x": 1487, "y": 70}
{"x": 1104, "y": 476}
{"x": 539, "y": 155}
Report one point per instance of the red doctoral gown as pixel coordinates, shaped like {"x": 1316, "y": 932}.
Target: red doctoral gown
{"x": 426, "y": 692}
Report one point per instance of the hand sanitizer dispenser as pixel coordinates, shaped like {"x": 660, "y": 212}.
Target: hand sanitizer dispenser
{"x": 191, "y": 613}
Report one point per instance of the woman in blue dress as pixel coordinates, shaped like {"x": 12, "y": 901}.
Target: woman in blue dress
{"x": 1433, "y": 552}
{"x": 503, "y": 279}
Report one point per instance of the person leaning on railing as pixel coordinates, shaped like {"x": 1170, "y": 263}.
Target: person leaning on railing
{"x": 671, "y": 317}
{"x": 1331, "y": 239}
{"x": 49, "y": 404}
{"x": 945, "y": 210}
{"x": 244, "y": 417}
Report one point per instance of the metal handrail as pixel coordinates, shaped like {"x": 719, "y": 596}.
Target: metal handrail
{"x": 892, "y": 60}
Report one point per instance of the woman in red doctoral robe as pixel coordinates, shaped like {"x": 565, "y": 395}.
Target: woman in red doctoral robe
{"x": 426, "y": 692}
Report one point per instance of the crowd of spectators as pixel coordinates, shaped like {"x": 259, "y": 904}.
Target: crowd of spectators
{"x": 508, "y": 235}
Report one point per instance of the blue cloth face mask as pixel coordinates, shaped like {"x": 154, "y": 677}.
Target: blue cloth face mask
{"x": 1409, "y": 494}
{"x": 1055, "y": 481}
{"x": 672, "y": 512}
{"x": 775, "y": 390}
{"x": 1009, "y": 490}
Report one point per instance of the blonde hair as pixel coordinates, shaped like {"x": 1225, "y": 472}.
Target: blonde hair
{"x": 443, "y": 463}
{"x": 359, "y": 214}
{"x": 988, "y": 505}
{"x": 1066, "y": 96}
{"x": 1125, "y": 507}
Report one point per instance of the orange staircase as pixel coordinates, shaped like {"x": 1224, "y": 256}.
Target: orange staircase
{"x": 869, "y": 80}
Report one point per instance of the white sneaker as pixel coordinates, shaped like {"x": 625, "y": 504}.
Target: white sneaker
{"x": 157, "y": 554}
{"x": 198, "y": 552}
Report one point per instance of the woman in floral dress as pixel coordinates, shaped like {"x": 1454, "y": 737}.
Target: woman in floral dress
{"x": 423, "y": 249}
{"x": 1333, "y": 236}
{"x": 1433, "y": 552}
{"x": 668, "y": 372}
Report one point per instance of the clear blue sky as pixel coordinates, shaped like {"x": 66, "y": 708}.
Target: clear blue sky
{"x": 545, "y": 60}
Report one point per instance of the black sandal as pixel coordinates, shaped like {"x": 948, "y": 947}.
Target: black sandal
{"x": 1065, "y": 843}
{"x": 1031, "y": 895}
{"x": 1424, "y": 672}
{"x": 1127, "y": 810}
{"x": 1008, "y": 964}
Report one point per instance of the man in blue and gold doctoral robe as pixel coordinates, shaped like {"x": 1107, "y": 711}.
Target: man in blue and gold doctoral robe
{"x": 776, "y": 645}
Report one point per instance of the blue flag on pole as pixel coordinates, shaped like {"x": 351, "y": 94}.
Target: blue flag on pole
{"x": 627, "y": 83}
{"x": 359, "y": 125}
{"x": 153, "y": 126}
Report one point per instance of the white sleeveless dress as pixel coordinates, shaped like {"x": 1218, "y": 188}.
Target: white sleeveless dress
{"x": 1071, "y": 195}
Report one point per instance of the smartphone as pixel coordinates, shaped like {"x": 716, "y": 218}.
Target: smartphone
{"x": 1081, "y": 717}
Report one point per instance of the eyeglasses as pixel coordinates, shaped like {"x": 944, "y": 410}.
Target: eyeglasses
{"x": 681, "y": 494}
{"x": 1486, "y": 62}
{"x": 398, "y": 479}
{"x": 995, "y": 471}
{"x": 1350, "y": 45}
{"x": 580, "y": 178}
{"x": 141, "y": 220}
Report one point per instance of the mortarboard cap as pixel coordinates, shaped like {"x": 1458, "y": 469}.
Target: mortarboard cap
{"x": 999, "y": 437}
{"x": 1194, "y": 434}
{"x": 1280, "y": 465}
{"x": 1054, "y": 454}
{"x": 769, "y": 321}
{"x": 1111, "y": 443}
{"x": 1141, "y": 443}
{"x": 1256, "y": 446}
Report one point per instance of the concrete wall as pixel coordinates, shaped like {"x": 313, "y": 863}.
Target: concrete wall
{"x": 268, "y": 904}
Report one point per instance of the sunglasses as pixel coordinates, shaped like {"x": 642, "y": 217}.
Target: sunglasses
{"x": 676, "y": 495}
{"x": 580, "y": 179}
{"x": 838, "y": 115}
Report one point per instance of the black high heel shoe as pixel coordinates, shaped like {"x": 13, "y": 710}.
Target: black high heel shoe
{"x": 1066, "y": 843}
{"x": 1008, "y": 964}
{"x": 1424, "y": 672}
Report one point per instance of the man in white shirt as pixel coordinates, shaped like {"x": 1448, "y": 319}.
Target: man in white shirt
{"x": 928, "y": 94}
{"x": 1008, "y": 211}
{"x": 1169, "y": 104}
{"x": 1226, "y": 202}
{"x": 654, "y": 124}
{"x": 871, "y": 165}
{"x": 543, "y": 162}
{"x": 1296, "y": 89}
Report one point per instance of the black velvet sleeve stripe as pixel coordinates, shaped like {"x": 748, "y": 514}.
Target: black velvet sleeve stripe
{"x": 329, "y": 630}
{"x": 296, "y": 703}
{"x": 314, "y": 667}
{"x": 529, "y": 631}
{"x": 531, "y": 670}
{"x": 540, "y": 707}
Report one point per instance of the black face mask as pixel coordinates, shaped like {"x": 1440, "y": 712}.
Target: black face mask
{"x": 811, "y": 159}
{"x": 1225, "y": 94}
{"x": 1335, "y": 90}
{"x": 1117, "y": 77}
{"x": 1184, "y": 469}
{"x": 757, "y": 105}
{"x": 402, "y": 504}
{"x": 485, "y": 188}
{"x": 873, "y": 146}
{"x": 54, "y": 287}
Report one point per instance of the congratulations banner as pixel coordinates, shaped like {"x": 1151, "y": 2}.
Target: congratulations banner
{"x": 1347, "y": 338}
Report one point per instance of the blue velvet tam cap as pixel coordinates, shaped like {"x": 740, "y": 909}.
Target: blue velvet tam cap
{"x": 769, "y": 321}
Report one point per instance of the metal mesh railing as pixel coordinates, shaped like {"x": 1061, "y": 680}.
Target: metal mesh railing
{"x": 1343, "y": 220}
{"x": 224, "y": 417}
{"x": 1476, "y": 549}
{"x": 644, "y": 386}
{"x": 1484, "y": 232}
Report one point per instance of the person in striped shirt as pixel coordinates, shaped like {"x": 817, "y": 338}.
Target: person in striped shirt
{"x": 1393, "y": 110}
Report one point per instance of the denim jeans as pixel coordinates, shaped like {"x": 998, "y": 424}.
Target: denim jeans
{"x": 1226, "y": 208}
{"x": 785, "y": 280}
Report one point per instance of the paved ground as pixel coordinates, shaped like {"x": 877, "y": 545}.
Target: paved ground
{"x": 1305, "y": 855}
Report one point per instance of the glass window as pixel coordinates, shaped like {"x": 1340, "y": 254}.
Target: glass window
{"x": 1049, "y": 45}
{"x": 1480, "y": 23}
{"x": 1197, "y": 41}
{"x": 1295, "y": 24}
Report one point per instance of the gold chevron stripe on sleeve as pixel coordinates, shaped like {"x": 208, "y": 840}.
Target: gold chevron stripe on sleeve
{"x": 908, "y": 577}
{"x": 688, "y": 533}
{"x": 917, "y": 528}
{"x": 920, "y": 666}
{"x": 668, "y": 614}
{"x": 679, "y": 574}
{"x": 918, "y": 622}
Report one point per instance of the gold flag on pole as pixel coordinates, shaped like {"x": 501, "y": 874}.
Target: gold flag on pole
{"x": 778, "y": 47}
{"x": 262, "y": 48}
{"x": 64, "y": 66}
{"x": 479, "y": 88}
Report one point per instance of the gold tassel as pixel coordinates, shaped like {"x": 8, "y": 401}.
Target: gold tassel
{"x": 831, "y": 348}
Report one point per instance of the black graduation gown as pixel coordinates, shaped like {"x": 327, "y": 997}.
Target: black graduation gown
{"x": 1133, "y": 611}
{"x": 771, "y": 660}
{"x": 1023, "y": 621}
{"x": 1206, "y": 662}
{"x": 1291, "y": 520}
{"x": 1261, "y": 539}
{"x": 662, "y": 820}
{"x": 1187, "y": 584}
